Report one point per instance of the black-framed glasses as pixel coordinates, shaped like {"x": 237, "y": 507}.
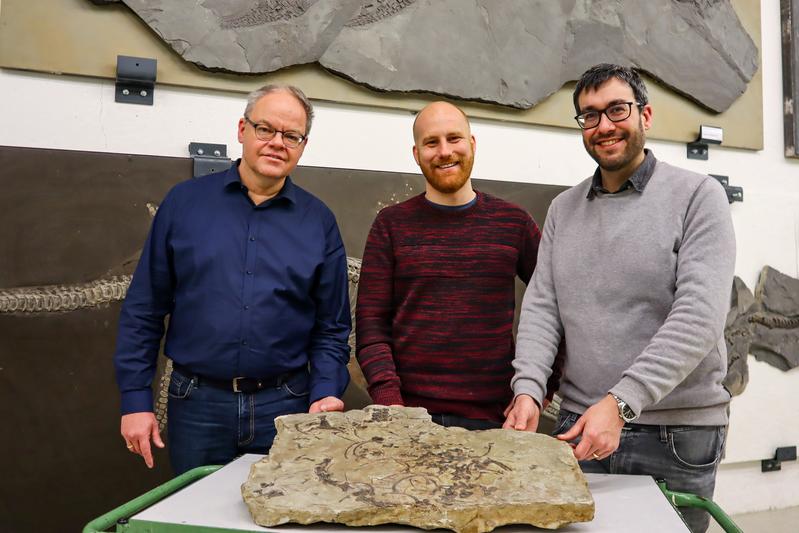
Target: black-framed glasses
{"x": 265, "y": 132}
{"x": 615, "y": 113}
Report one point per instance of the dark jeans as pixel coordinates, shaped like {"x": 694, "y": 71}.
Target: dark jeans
{"x": 685, "y": 457}
{"x": 210, "y": 426}
{"x": 463, "y": 422}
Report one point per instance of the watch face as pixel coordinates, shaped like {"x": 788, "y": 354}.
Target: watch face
{"x": 627, "y": 414}
{"x": 625, "y": 411}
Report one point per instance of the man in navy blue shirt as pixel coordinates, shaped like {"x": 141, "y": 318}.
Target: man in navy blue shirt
{"x": 251, "y": 271}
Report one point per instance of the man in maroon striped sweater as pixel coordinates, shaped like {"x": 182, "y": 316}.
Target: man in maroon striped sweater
{"x": 436, "y": 293}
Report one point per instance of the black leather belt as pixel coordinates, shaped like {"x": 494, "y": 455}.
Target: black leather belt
{"x": 240, "y": 384}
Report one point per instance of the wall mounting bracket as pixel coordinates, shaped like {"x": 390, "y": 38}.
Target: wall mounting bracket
{"x": 135, "y": 80}
{"x": 208, "y": 158}
{"x": 787, "y": 453}
{"x": 734, "y": 194}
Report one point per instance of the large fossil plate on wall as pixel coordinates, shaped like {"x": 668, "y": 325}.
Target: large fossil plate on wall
{"x": 393, "y": 465}
{"x": 517, "y": 52}
{"x": 78, "y": 37}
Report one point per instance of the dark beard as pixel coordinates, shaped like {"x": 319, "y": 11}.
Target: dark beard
{"x": 635, "y": 145}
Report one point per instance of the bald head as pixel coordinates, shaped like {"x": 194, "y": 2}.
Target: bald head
{"x": 435, "y": 112}
{"x": 443, "y": 146}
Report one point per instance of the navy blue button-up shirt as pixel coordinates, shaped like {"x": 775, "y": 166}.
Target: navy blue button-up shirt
{"x": 253, "y": 291}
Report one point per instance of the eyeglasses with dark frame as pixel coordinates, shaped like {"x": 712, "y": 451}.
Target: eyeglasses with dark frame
{"x": 615, "y": 113}
{"x": 265, "y": 132}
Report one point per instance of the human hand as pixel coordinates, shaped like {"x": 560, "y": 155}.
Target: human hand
{"x": 600, "y": 428}
{"x": 522, "y": 414}
{"x": 326, "y": 404}
{"x": 137, "y": 429}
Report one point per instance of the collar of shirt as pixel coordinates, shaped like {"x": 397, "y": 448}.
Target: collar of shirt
{"x": 287, "y": 193}
{"x": 637, "y": 181}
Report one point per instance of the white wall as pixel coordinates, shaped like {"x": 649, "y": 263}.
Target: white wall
{"x": 47, "y": 111}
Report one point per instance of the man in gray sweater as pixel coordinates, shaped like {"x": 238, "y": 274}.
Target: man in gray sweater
{"x": 634, "y": 272}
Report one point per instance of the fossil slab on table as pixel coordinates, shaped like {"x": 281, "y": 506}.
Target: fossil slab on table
{"x": 393, "y": 465}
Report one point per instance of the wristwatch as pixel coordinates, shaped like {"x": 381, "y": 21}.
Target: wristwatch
{"x": 625, "y": 411}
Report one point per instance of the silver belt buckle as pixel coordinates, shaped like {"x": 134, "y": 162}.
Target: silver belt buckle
{"x": 236, "y": 384}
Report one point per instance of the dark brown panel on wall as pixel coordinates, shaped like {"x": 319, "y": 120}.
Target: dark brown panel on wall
{"x": 72, "y": 220}
{"x": 67, "y": 218}
{"x": 72, "y": 217}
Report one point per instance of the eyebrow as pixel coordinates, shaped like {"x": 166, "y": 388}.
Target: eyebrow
{"x": 610, "y": 104}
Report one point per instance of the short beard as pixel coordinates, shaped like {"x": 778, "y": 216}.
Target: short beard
{"x": 448, "y": 186}
{"x": 452, "y": 184}
{"x": 635, "y": 144}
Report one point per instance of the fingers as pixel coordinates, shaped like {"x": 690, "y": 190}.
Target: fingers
{"x": 331, "y": 403}
{"x": 137, "y": 429}
{"x": 523, "y": 414}
{"x": 575, "y": 431}
{"x": 146, "y": 452}
{"x": 507, "y": 410}
{"x": 326, "y": 405}
{"x": 598, "y": 435}
{"x": 157, "y": 437}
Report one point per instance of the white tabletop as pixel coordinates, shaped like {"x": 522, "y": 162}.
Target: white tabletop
{"x": 624, "y": 504}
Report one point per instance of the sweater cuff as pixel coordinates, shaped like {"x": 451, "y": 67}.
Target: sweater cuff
{"x": 529, "y": 387}
{"x": 386, "y": 395}
{"x": 633, "y": 393}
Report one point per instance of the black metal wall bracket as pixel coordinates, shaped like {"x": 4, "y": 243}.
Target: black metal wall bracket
{"x": 734, "y": 194}
{"x": 135, "y": 80}
{"x": 208, "y": 158}
{"x": 787, "y": 453}
{"x": 707, "y": 135}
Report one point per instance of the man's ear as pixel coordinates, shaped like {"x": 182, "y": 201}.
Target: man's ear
{"x": 242, "y": 125}
{"x": 646, "y": 116}
{"x": 416, "y": 154}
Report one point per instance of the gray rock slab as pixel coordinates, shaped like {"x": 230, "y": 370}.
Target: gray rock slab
{"x": 775, "y": 334}
{"x": 393, "y": 465}
{"x": 738, "y": 337}
{"x": 509, "y": 52}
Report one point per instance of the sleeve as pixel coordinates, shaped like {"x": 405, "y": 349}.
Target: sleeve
{"x": 328, "y": 350}
{"x": 374, "y": 315}
{"x": 540, "y": 327}
{"x": 141, "y": 321}
{"x": 528, "y": 256}
{"x": 705, "y": 268}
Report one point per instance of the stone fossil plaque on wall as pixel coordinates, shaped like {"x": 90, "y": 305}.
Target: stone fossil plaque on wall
{"x": 393, "y": 465}
{"x": 700, "y": 49}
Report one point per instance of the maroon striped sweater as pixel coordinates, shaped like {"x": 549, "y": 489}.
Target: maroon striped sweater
{"x": 436, "y": 297}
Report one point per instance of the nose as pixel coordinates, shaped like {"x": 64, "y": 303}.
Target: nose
{"x": 277, "y": 140}
{"x": 605, "y": 124}
{"x": 444, "y": 150}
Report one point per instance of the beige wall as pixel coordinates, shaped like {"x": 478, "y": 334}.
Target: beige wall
{"x": 77, "y": 37}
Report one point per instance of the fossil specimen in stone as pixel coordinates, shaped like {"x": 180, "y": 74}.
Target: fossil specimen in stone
{"x": 517, "y": 52}
{"x": 738, "y": 337}
{"x": 775, "y": 336}
{"x": 393, "y": 465}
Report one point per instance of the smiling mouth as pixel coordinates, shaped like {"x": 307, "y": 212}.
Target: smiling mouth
{"x": 608, "y": 142}
{"x": 448, "y": 165}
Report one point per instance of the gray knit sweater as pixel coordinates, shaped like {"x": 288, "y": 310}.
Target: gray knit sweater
{"x": 639, "y": 285}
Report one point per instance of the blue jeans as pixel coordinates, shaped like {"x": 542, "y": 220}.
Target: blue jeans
{"x": 463, "y": 422}
{"x": 207, "y": 425}
{"x": 685, "y": 457}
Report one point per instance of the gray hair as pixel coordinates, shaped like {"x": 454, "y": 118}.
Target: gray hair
{"x": 599, "y": 74}
{"x": 296, "y": 92}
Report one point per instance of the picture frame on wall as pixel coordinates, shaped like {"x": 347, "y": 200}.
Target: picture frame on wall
{"x": 789, "y": 11}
